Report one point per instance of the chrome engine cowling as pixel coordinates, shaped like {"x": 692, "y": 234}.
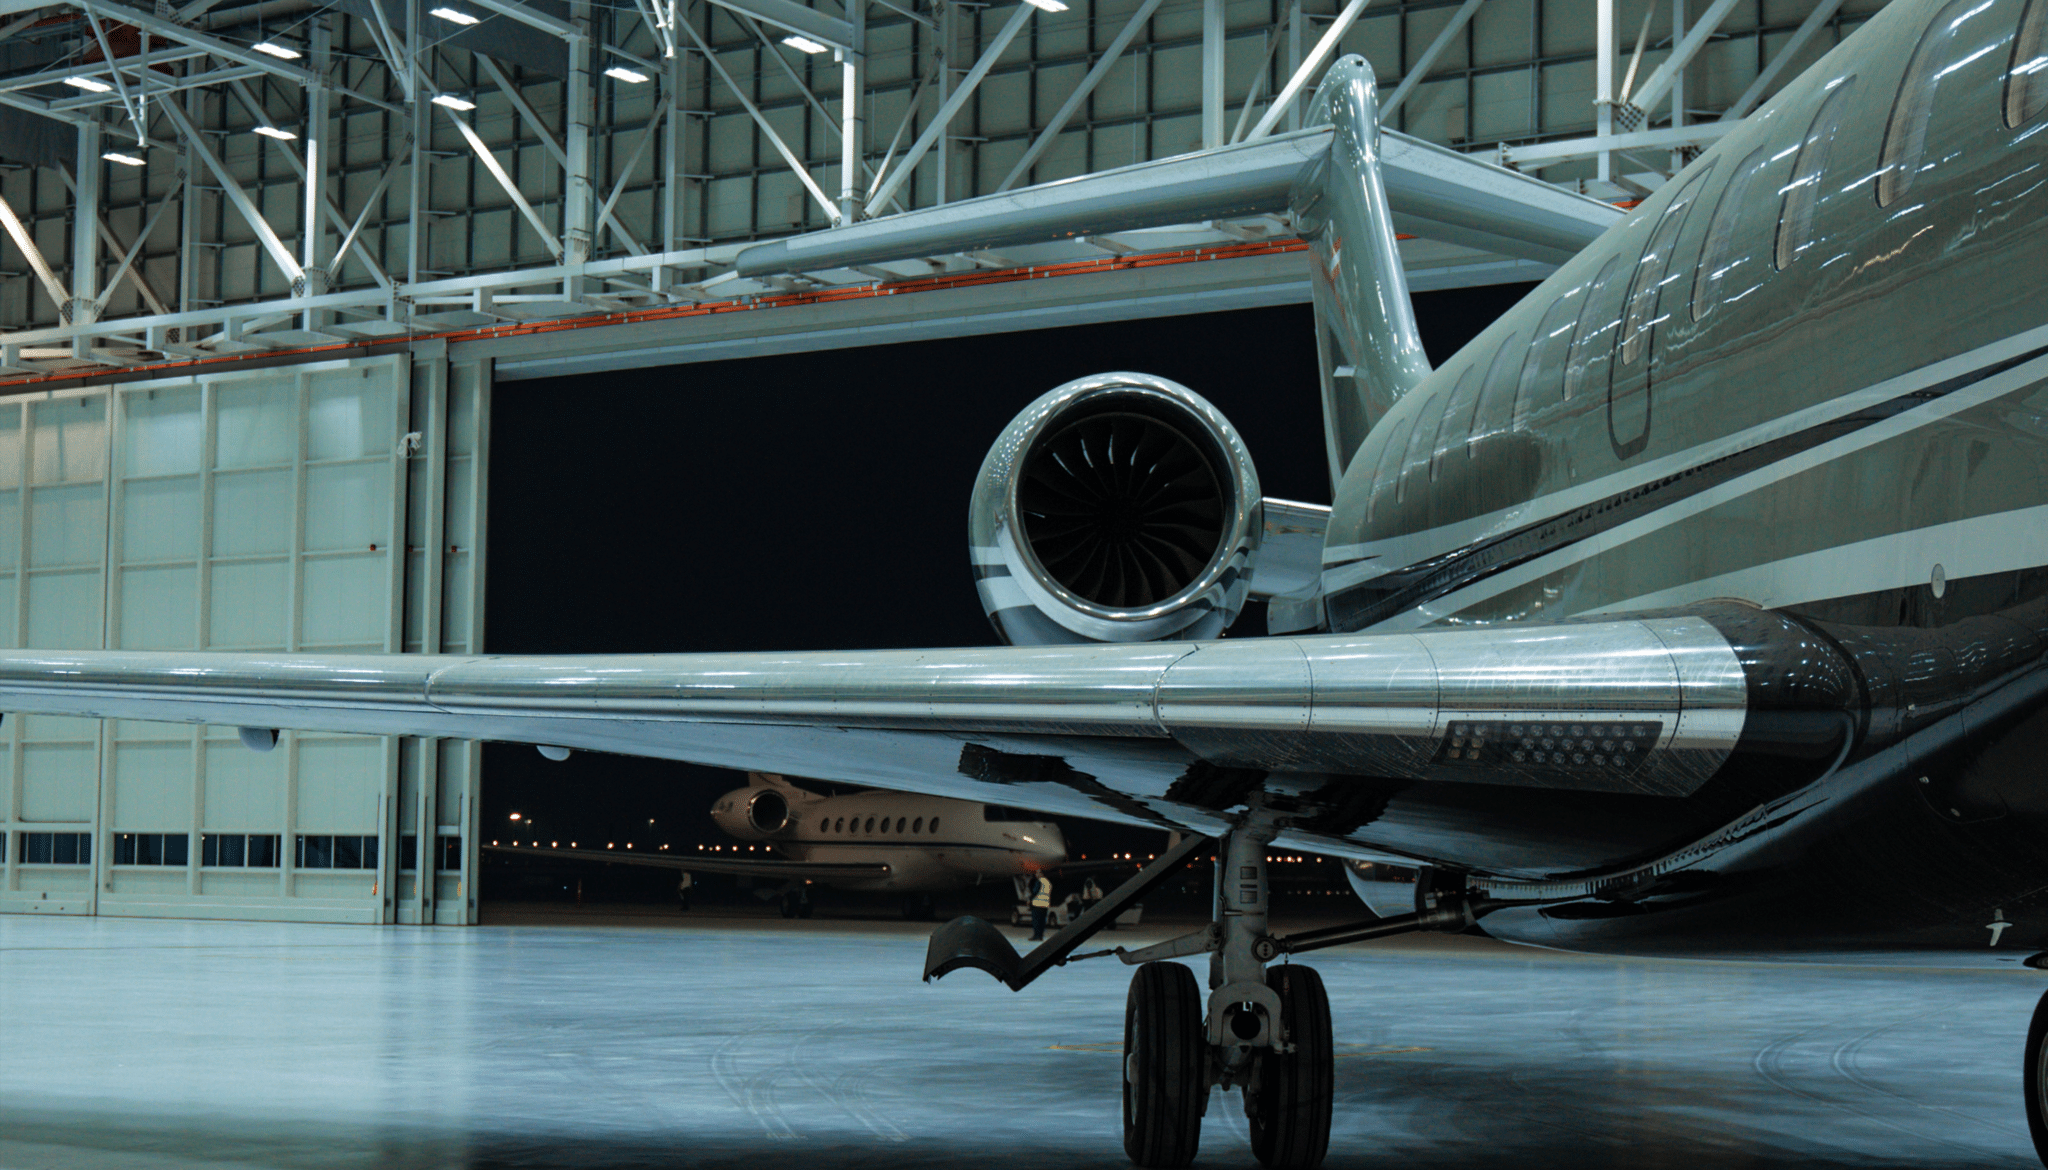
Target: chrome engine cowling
{"x": 1118, "y": 508}
{"x": 767, "y": 811}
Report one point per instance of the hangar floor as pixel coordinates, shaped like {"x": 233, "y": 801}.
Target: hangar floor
{"x": 602, "y": 1040}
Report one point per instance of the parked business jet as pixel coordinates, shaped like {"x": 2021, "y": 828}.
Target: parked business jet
{"x": 1697, "y": 607}
{"x": 872, "y": 841}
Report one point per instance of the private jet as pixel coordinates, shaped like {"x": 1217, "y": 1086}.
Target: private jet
{"x": 1697, "y": 607}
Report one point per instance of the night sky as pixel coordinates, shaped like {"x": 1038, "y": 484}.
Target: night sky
{"x": 817, "y": 501}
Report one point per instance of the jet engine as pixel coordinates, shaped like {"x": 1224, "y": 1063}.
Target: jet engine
{"x": 753, "y": 813}
{"x": 1117, "y": 508}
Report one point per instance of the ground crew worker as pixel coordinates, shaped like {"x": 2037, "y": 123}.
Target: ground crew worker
{"x": 1040, "y": 887}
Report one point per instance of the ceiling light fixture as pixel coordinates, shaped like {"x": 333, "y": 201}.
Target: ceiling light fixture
{"x": 278, "y": 49}
{"x": 1047, "y": 5}
{"x": 274, "y": 132}
{"x": 126, "y": 160}
{"x": 453, "y": 15}
{"x": 89, "y": 85}
{"x": 625, "y": 74}
{"x": 453, "y": 102}
{"x": 803, "y": 44}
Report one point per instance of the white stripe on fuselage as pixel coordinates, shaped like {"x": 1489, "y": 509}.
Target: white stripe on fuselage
{"x": 1906, "y": 421}
{"x": 1343, "y": 566}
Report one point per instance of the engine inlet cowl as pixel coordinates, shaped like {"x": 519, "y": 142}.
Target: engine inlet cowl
{"x": 1118, "y": 508}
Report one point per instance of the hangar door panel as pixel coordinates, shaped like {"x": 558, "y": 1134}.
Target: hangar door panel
{"x": 258, "y": 510}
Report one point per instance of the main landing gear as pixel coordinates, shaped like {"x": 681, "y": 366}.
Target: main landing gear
{"x": 1264, "y": 1030}
{"x": 2036, "y": 1079}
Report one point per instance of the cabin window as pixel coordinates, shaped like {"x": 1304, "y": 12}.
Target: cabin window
{"x": 1457, "y": 413}
{"x": 1942, "y": 50}
{"x": 2026, "y": 82}
{"x": 871, "y": 824}
{"x": 1653, "y": 272}
{"x": 902, "y": 823}
{"x": 1419, "y": 436}
{"x": 917, "y": 826}
{"x": 1495, "y": 409}
{"x": 839, "y": 826}
{"x": 1715, "y": 261}
{"x": 935, "y": 824}
{"x": 1553, "y": 336}
{"x": 1595, "y": 327}
{"x": 1388, "y": 466}
{"x": 1802, "y": 194}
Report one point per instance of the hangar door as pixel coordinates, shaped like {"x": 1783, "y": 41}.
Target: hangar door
{"x": 257, "y": 510}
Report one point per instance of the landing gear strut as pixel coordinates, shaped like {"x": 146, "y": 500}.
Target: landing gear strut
{"x": 2036, "y": 1079}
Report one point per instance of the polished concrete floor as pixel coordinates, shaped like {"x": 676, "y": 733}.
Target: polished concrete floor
{"x": 648, "y": 1040}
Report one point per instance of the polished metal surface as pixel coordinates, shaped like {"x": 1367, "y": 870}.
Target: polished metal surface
{"x": 1029, "y": 605}
{"x": 643, "y": 1041}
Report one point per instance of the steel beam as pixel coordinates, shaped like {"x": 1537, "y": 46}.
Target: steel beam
{"x": 782, "y": 148}
{"x": 125, "y": 267}
{"x": 944, "y": 118}
{"x": 18, "y": 232}
{"x": 1659, "y": 83}
{"x": 787, "y": 14}
{"x": 579, "y": 199}
{"x": 852, "y": 113}
{"x": 279, "y": 254}
{"x": 1074, "y": 100}
{"x": 85, "y": 242}
{"x": 1212, "y": 74}
{"x": 108, "y": 238}
{"x": 533, "y": 18}
{"x": 1814, "y": 22}
{"x": 1427, "y": 61}
{"x": 1546, "y": 153}
{"x": 505, "y": 183}
{"x": 290, "y": 154}
{"x": 1309, "y": 66}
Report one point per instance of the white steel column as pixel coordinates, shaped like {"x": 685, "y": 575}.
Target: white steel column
{"x": 948, "y": 36}
{"x": 1603, "y": 81}
{"x": 1294, "y": 59}
{"x": 579, "y": 199}
{"x": 1212, "y": 74}
{"x": 852, "y": 116}
{"x": 315, "y": 241}
{"x": 85, "y": 237}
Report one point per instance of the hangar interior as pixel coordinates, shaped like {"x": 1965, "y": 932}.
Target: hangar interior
{"x": 263, "y": 263}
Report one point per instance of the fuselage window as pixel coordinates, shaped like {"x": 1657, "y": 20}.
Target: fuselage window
{"x": 1905, "y": 134}
{"x": 935, "y": 824}
{"x": 871, "y": 824}
{"x": 1388, "y": 465}
{"x": 901, "y": 823}
{"x": 1552, "y": 338}
{"x": 1652, "y": 273}
{"x": 1496, "y": 406}
{"x": 1715, "y": 262}
{"x": 1457, "y": 415}
{"x": 1426, "y": 421}
{"x": 917, "y": 826}
{"x": 1802, "y": 194}
{"x": 1594, "y": 328}
{"x": 2026, "y": 81}
{"x": 839, "y": 826}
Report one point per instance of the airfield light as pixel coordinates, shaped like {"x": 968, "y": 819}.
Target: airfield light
{"x": 452, "y": 15}
{"x": 803, "y": 44}
{"x": 452, "y": 102}
{"x": 274, "y": 132}
{"x": 278, "y": 48}
{"x": 620, "y": 72}
{"x": 126, "y": 160}
{"x": 88, "y": 84}
{"x": 515, "y": 816}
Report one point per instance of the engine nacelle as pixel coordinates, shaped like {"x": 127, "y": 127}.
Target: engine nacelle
{"x": 1118, "y": 508}
{"x": 754, "y": 813}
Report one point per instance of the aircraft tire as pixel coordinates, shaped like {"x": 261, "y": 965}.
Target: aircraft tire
{"x": 1287, "y": 1102}
{"x": 1165, "y": 1054}
{"x": 2036, "y": 1079}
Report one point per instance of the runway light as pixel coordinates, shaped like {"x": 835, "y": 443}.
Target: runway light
{"x": 89, "y": 85}
{"x": 452, "y": 102}
{"x": 278, "y": 49}
{"x": 274, "y": 132}
{"x": 803, "y": 44}
{"x": 126, "y": 160}
{"x": 621, "y": 73}
{"x": 452, "y": 15}
{"x": 515, "y": 816}
{"x": 1047, "y": 5}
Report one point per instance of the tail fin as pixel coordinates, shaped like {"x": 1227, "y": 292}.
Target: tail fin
{"x": 1365, "y": 326}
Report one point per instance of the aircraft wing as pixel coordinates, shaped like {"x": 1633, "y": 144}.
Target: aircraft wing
{"x": 817, "y": 871}
{"x": 1159, "y": 734}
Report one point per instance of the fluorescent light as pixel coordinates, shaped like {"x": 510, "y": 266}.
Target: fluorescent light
{"x": 803, "y": 44}
{"x": 453, "y": 15}
{"x": 1047, "y": 5}
{"x": 274, "y": 132}
{"x": 453, "y": 102}
{"x": 277, "y": 49}
{"x": 126, "y": 160}
{"x": 625, "y": 74}
{"x": 89, "y": 85}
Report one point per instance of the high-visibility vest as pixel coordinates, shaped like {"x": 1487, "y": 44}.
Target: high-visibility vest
{"x": 1041, "y": 894}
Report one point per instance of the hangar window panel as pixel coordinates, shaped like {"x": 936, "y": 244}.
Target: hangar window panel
{"x": 1717, "y": 258}
{"x": 1948, "y": 44}
{"x": 409, "y": 853}
{"x": 2026, "y": 82}
{"x": 340, "y": 851}
{"x": 56, "y": 848}
{"x": 450, "y": 859}
{"x": 1802, "y": 194}
{"x": 152, "y": 848}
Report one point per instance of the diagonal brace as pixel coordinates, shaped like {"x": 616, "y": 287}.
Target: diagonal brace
{"x": 490, "y": 161}
{"x": 957, "y": 99}
{"x": 279, "y": 254}
{"x": 1072, "y": 105}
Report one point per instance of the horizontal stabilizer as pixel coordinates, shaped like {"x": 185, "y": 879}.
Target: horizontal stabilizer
{"x": 1435, "y": 193}
{"x": 817, "y": 871}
